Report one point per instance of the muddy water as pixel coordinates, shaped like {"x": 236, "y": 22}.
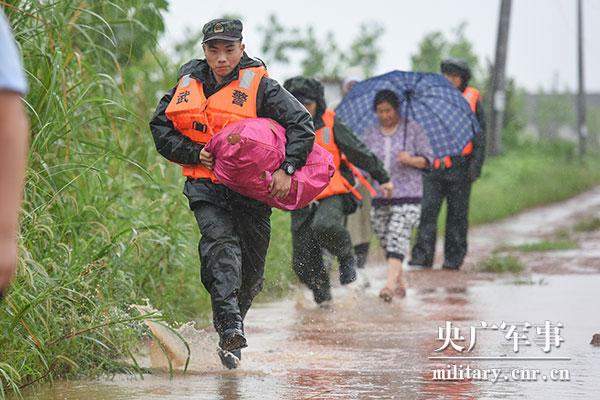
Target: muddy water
{"x": 364, "y": 349}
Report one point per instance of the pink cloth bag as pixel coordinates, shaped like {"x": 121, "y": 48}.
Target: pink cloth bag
{"x": 247, "y": 152}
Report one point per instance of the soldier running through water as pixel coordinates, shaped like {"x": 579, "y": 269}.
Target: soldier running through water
{"x": 225, "y": 87}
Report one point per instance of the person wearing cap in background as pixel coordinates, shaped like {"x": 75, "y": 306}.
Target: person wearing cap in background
{"x": 225, "y": 87}
{"x": 321, "y": 224}
{"x": 452, "y": 183}
{"x": 359, "y": 223}
{"x": 14, "y": 131}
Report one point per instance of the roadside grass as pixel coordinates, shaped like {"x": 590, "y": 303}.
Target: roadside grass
{"x": 502, "y": 264}
{"x": 278, "y": 270}
{"x": 97, "y": 232}
{"x": 527, "y": 176}
{"x": 588, "y": 225}
{"x": 531, "y": 175}
{"x": 541, "y": 246}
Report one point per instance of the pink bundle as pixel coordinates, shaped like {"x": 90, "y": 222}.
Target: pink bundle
{"x": 247, "y": 152}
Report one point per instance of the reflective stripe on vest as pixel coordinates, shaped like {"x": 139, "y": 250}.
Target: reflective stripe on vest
{"x": 472, "y": 96}
{"x": 247, "y": 78}
{"x": 199, "y": 118}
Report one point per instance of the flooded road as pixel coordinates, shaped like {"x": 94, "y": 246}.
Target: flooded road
{"x": 362, "y": 348}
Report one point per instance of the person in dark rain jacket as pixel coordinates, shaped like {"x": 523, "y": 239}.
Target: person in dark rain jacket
{"x": 451, "y": 182}
{"x": 235, "y": 230}
{"x": 321, "y": 225}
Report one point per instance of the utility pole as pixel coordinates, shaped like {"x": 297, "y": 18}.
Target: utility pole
{"x": 498, "y": 83}
{"x": 581, "y": 125}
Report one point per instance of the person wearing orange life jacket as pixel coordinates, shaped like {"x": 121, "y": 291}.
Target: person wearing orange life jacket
{"x": 451, "y": 178}
{"x": 321, "y": 225}
{"x": 225, "y": 87}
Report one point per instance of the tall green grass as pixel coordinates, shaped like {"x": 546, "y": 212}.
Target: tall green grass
{"x": 530, "y": 175}
{"x": 99, "y": 230}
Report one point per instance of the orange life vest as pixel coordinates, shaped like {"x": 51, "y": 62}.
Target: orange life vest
{"x": 199, "y": 118}
{"x": 325, "y": 137}
{"x": 472, "y": 96}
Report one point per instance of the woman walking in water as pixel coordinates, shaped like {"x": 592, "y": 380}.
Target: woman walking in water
{"x": 405, "y": 149}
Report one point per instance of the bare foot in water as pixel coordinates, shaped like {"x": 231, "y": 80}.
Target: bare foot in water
{"x": 395, "y": 285}
{"x": 400, "y": 291}
{"x": 386, "y": 294}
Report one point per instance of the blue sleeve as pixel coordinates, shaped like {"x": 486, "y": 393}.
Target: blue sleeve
{"x": 12, "y": 77}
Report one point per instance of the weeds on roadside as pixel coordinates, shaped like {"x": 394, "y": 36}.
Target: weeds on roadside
{"x": 92, "y": 241}
{"x": 501, "y": 264}
{"x": 587, "y": 225}
{"x": 541, "y": 246}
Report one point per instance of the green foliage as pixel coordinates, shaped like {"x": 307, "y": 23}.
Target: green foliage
{"x": 554, "y": 110}
{"x": 131, "y": 27}
{"x": 515, "y": 119}
{"x": 278, "y": 40}
{"x": 364, "y": 51}
{"x": 593, "y": 124}
{"x": 532, "y": 174}
{"x": 92, "y": 241}
{"x": 545, "y": 245}
{"x": 502, "y": 264}
{"x": 587, "y": 225}
{"x": 432, "y": 50}
{"x": 529, "y": 175}
{"x": 436, "y": 46}
{"x": 320, "y": 58}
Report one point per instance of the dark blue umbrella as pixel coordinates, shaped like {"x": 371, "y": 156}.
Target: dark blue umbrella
{"x": 425, "y": 98}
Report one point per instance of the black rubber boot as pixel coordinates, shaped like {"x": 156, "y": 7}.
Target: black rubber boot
{"x": 362, "y": 253}
{"x": 230, "y": 359}
{"x": 322, "y": 295}
{"x": 233, "y": 339}
{"x": 416, "y": 264}
{"x": 348, "y": 271}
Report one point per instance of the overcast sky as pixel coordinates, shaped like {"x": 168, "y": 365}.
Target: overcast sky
{"x": 542, "y": 40}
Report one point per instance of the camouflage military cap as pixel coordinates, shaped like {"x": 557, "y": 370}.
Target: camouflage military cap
{"x": 305, "y": 89}
{"x": 456, "y": 66}
{"x": 222, "y": 29}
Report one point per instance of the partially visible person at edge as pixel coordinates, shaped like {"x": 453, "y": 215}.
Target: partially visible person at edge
{"x": 14, "y": 130}
{"x": 406, "y": 151}
{"x": 235, "y": 230}
{"x": 451, "y": 182}
{"x": 321, "y": 224}
{"x": 359, "y": 223}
